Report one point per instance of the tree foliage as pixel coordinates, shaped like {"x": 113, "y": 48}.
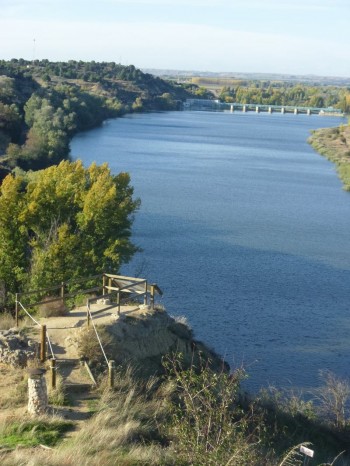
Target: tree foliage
{"x": 64, "y": 222}
{"x": 283, "y": 93}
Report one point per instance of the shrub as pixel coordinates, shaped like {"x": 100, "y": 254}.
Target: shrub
{"x": 52, "y": 309}
{"x": 88, "y": 344}
{"x": 333, "y": 400}
{"x": 207, "y": 423}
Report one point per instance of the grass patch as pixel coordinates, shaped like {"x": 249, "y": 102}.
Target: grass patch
{"x": 58, "y": 396}
{"x": 30, "y": 433}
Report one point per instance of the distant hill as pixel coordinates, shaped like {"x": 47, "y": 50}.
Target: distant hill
{"x": 305, "y": 79}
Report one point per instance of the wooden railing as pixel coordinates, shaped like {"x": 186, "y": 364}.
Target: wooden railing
{"x": 118, "y": 287}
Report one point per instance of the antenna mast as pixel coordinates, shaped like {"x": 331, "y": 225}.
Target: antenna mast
{"x": 33, "y": 52}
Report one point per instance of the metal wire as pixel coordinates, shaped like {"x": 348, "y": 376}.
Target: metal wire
{"x": 50, "y": 346}
{"x": 25, "y": 310}
{"x": 98, "y": 338}
{"x": 37, "y": 323}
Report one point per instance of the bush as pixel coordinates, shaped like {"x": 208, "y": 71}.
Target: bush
{"x": 88, "y": 344}
{"x": 52, "y": 309}
{"x": 333, "y": 400}
{"x": 207, "y": 423}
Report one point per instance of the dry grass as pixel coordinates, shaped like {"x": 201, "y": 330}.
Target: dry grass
{"x": 123, "y": 432}
{"x": 13, "y": 387}
{"x": 89, "y": 346}
{"x": 7, "y": 321}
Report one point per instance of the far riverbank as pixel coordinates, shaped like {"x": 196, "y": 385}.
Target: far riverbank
{"x": 334, "y": 143}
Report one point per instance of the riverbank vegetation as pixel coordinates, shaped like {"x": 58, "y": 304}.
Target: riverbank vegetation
{"x": 334, "y": 143}
{"x": 274, "y": 92}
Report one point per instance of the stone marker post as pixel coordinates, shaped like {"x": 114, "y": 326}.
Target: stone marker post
{"x": 37, "y": 392}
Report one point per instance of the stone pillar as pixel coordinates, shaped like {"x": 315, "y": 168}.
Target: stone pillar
{"x": 283, "y": 110}
{"x": 295, "y": 111}
{"x": 257, "y": 109}
{"x": 308, "y": 111}
{"x": 111, "y": 373}
{"x": 37, "y": 392}
{"x": 244, "y": 109}
{"x": 270, "y": 109}
{"x": 231, "y": 108}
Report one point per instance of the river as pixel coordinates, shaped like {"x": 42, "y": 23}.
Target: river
{"x": 246, "y": 229}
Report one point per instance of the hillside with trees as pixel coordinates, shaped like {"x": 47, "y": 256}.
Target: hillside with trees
{"x": 43, "y": 104}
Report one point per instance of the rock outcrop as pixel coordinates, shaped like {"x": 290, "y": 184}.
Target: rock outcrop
{"x": 142, "y": 339}
{"x": 15, "y": 348}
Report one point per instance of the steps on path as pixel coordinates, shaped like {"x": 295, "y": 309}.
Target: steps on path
{"x": 76, "y": 374}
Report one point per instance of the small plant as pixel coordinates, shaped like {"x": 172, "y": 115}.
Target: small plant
{"x": 57, "y": 396}
{"x": 287, "y": 401}
{"x": 333, "y": 399}
{"x": 294, "y": 457}
{"x": 89, "y": 346}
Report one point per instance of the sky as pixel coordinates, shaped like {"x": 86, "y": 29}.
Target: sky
{"x": 266, "y": 36}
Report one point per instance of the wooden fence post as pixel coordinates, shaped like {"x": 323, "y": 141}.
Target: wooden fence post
{"x": 111, "y": 373}
{"x": 118, "y": 302}
{"x": 53, "y": 373}
{"x": 88, "y": 312}
{"x": 62, "y": 291}
{"x": 103, "y": 284}
{"x": 145, "y": 295}
{"x": 152, "y": 296}
{"x": 17, "y": 317}
{"x": 43, "y": 344}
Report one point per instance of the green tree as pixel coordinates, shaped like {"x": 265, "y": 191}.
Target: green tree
{"x": 64, "y": 222}
{"x": 13, "y": 237}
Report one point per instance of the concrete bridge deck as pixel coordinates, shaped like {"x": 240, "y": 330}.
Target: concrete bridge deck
{"x": 216, "y": 105}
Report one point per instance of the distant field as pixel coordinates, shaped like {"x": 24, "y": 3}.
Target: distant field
{"x": 215, "y": 83}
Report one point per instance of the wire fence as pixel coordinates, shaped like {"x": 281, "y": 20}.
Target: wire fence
{"x": 39, "y": 325}
{"x": 97, "y": 335}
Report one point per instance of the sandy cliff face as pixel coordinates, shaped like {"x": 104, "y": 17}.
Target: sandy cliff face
{"x": 144, "y": 338}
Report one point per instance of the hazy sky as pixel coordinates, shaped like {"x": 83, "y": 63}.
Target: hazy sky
{"x": 282, "y": 36}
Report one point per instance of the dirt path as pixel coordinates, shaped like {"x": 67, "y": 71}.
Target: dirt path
{"x": 63, "y": 331}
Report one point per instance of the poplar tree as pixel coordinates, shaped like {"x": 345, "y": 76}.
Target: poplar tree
{"x": 62, "y": 223}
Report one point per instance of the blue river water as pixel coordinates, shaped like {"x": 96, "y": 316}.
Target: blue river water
{"x": 247, "y": 231}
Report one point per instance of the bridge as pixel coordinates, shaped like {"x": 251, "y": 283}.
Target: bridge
{"x": 216, "y": 106}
